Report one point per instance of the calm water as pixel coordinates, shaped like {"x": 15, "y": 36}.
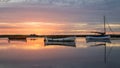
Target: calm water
{"x": 34, "y": 53}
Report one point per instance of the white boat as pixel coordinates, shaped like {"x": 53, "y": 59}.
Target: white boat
{"x": 105, "y": 37}
{"x": 101, "y": 37}
{"x": 98, "y": 39}
{"x": 65, "y": 39}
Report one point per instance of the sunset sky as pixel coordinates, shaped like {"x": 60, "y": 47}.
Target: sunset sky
{"x": 57, "y": 16}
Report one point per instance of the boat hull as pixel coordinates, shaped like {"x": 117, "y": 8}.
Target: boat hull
{"x": 66, "y": 39}
{"x": 105, "y": 38}
{"x": 72, "y": 44}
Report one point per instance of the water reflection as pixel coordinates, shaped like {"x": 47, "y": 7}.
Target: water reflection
{"x": 108, "y": 47}
{"x": 39, "y": 54}
{"x": 40, "y": 43}
{"x": 22, "y": 40}
{"x": 98, "y": 44}
{"x": 105, "y": 48}
{"x": 21, "y": 43}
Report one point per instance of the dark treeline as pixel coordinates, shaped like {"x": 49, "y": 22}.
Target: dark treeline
{"x": 2, "y": 36}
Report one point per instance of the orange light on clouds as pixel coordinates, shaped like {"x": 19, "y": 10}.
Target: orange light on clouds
{"x": 30, "y": 27}
{"x": 50, "y": 28}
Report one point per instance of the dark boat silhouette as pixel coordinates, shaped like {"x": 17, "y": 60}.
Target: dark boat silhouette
{"x": 17, "y": 39}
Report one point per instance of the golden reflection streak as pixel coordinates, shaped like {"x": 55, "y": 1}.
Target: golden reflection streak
{"x": 113, "y": 44}
{"x": 38, "y": 46}
{"x": 26, "y": 47}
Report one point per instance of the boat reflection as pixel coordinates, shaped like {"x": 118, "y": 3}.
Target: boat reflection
{"x": 107, "y": 52}
{"x": 98, "y": 44}
{"x": 15, "y": 39}
{"x": 71, "y": 44}
{"x": 33, "y": 39}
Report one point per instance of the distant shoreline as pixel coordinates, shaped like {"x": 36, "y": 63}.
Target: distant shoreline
{"x": 2, "y": 36}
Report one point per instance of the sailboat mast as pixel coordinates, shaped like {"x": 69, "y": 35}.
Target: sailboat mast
{"x": 104, "y": 26}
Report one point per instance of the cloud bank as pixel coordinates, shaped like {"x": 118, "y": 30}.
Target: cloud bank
{"x": 66, "y": 12}
{"x": 59, "y": 10}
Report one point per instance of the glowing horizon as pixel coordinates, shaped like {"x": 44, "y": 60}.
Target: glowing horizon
{"x": 57, "y": 17}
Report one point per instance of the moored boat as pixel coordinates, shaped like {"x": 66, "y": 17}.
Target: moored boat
{"x": 101, "y": 37}
{"x": 98, "y": 39}
{"x": 64, "y": 39}
{"x": 104, "y": 37}
{"x": 72, "y": 44}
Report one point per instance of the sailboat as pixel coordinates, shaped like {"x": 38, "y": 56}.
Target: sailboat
{"x": 102, "y": 37}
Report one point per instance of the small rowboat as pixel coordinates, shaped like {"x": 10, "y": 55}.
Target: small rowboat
{"x": 72, "y": 44}
{"x": 65, "y": 39}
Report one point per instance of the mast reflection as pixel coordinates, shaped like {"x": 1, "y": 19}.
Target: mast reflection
{"x": 103, "y": 43}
